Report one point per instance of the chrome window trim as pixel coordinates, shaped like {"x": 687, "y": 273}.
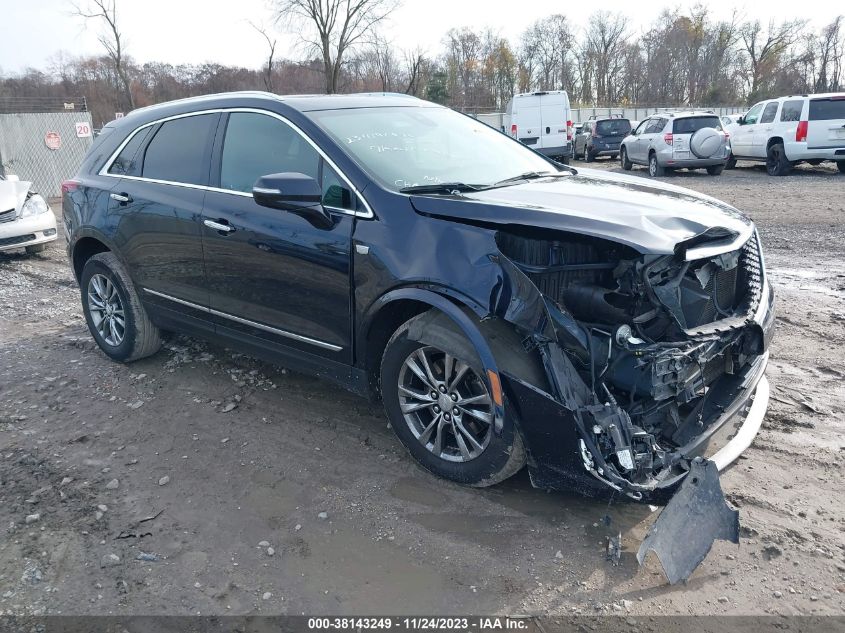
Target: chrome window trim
{"x": 104, "y": 171}
{"x": 296, "y": 337}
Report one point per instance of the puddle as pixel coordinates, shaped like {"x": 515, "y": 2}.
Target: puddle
{"x": 808, "y": 280}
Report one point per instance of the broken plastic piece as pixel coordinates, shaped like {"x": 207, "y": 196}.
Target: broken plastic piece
{"x": 695, "y": 516}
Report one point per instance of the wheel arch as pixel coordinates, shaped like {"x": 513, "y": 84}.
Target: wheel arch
{"x": 84, "y": 249}
{"x": 775, "y": 140}
{"x": 401, "y": 304}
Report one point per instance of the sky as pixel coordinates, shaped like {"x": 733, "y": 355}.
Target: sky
{"x": 197, "y": 31}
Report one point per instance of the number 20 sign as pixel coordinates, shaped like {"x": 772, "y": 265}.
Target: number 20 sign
{"x": 83, "y": 129}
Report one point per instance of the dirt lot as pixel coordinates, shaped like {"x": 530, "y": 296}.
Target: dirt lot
{"x": 271, "y": 492}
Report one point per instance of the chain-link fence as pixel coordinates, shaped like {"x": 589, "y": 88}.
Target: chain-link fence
{"x": 44, "y": 147}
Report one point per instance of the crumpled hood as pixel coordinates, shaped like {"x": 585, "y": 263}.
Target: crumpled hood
{"x": 13, "y": 194}
{"x": 648, "y": 216}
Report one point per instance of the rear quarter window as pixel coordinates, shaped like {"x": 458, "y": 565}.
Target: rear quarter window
{"x": 827, "y": 109}
{"x": 690, "y": 125}
{"x": 791, "y": 111}
{"x": 126, "y": 163}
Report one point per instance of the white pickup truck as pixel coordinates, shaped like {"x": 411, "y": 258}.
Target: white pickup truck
{"x": 790, "y": 130}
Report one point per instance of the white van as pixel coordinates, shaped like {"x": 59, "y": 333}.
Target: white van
{"x": 542, "y": 121}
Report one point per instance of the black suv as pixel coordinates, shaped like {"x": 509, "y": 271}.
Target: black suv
{"x": 507, "y": 309}
{"x": 601, "y": 137}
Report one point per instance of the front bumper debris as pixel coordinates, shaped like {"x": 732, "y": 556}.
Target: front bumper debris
{"x": 695, "y": 517}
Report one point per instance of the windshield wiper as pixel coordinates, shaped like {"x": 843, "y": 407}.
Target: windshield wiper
{"x": 530, "y": 175}
{"x": 440, "y": 187}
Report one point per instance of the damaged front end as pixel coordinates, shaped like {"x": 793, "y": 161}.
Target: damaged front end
{"x": 649, "y": 354}
{"x": 654, "y": 359}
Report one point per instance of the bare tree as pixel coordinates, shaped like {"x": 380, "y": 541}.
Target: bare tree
{"x": 765, "y": 48}
{"x": 105, "y": 11}
{"x": 415, "y": 66}
{"x": 271, "y": 46}
{"x": 334, "y": 27}
{"x": 606, "y": 39}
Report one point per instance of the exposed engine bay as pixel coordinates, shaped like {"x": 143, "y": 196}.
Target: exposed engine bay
{"x": 653, "y": 338}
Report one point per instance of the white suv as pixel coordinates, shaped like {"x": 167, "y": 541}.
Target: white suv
{"x": 789, "y": 130}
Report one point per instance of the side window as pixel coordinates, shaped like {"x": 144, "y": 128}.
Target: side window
{"x": 127, "y": 163}
{"x": 753, "y": 114}
{"x": 642, "y": 126}
{"x": 791, "y": 110}
{"x": 336, "y": 192}
{"x": 258, "y": 144}
{"x": 177, "y": 151}
{"x": 770, "y": 112}
{"x": 655, "y": 126}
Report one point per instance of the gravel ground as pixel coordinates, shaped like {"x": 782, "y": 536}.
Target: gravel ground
{"x": 204, "y": 481}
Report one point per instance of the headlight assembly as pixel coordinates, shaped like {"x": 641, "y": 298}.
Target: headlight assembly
{"x": 34, "y": 205}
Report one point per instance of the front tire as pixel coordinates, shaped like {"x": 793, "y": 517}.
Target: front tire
{"x": 655, "y": 170}
{"x": 715, "y": 170}
{"x": 776, "y": 161}
{"x": 626, "y": 163}
{"x": 440, "y": 409}
{"x": 841, "y": 165}
{"x": 113, "y": 311}
{"x": 731, "y": 164}
{"x": 35, "y": 249}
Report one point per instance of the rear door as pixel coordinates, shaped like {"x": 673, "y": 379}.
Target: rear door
{"x": 826, "y": 122}
{"x": 156, "y": 209}
{"x": 683, "y": 130}
{"x": 554, "y": 114}
{"x": 610, "y": 132}
{"x": 527, "y": 120}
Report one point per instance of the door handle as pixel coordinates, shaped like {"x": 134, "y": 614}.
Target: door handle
{"x": 219, "y": 225}
{"x": 122, "y": 198}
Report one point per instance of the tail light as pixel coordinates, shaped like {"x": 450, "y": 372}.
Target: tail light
{"x": 801, "y": 132}
{"x": 667, "y": 138}
{"x": 727, "y": 136}
{"x": 513, "y": 130}
{"x": 69, "y": 186}
{"x": 569, "y": 130}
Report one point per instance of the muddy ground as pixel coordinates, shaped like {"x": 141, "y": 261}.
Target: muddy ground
{"x": 195, "y": 481}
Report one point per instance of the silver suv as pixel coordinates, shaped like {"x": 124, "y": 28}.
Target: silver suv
{"x": 677, "y": 140}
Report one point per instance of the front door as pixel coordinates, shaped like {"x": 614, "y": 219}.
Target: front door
{"x": 742, "y": 142}
{"x": 764, "y": 129}
{"x": 271, "y": 274}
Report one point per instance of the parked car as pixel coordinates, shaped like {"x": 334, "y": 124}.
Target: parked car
{"x": 677, "y": 140}
{"x": 790, "y": 130}
{"x": 507, "y": 310}
{"x": 543, "y": 122}
{"x": 601, "y": 137}
{"x": 730, "y": 122}
{"x": 25, "y": 217}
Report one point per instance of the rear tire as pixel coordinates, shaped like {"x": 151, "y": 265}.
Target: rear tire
{"x": 715, "y": 170}
{"x": 623, "y": 157}
{"x": 654, "y": 168}
{"x": 36, "y": 248}
{"x": 108, "y": 296}
{"x": 776, "y": 161}
{"x": 841, "y": 165}
{"x": 499, "y": 457}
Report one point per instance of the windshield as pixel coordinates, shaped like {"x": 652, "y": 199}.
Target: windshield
{"x": 411, "y": 146}
{"x": 613, "y": 127}
{"x": 690, "y": 125}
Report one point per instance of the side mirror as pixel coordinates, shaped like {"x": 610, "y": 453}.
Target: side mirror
{"x": 295, "y": 193}
{"x": 741, "y": 120}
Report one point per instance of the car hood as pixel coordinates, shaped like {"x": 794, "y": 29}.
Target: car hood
{"x": 13, "y": 194}
{"x": 648, "y": 216}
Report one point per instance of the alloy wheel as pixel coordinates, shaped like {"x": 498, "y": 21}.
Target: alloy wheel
{"x": 106, "y": 309}
{"x": 445, "y": 404}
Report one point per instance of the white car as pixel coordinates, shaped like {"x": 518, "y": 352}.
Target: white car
{"x": 790, "y": 130}
{"x": 543, "y": 122}
{"x": 26, "y": 220}
{"x": 730, "y": 122}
